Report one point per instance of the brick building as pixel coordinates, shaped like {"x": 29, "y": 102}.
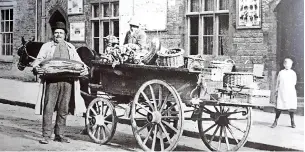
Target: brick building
{"x": 218, "y": 29}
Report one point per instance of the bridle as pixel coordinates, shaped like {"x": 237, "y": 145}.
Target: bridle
{"x": 27, "y": 54}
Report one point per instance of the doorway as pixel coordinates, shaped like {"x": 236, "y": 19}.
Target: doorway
{"x": 290, "y": 38}
{"x": 56, "y": 15}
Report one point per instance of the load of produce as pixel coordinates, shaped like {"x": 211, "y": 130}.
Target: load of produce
{"x": 61, "y": 66}
{"x": 116, "y": 54}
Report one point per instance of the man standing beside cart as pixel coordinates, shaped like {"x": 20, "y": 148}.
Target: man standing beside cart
{"x": 56, "y": 93}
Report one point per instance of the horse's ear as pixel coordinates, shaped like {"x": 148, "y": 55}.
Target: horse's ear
{"x": 22, "y": 40}
{"x": 33, "y": 39}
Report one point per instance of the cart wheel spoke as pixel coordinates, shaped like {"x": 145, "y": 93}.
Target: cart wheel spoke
{"x": 161, "y": 141}
{"x": 153, "y": 97}
{"x": 145, "y": 126}
{"x": 243, "y": 131}
{"x": 93, "y": 111}
{"x": 143, "y": 108}
{"x": 138, "y": 111}
{"x": 232, "y": 134}
{"x": 102, "y": 109}
{"x": 160, "y": 96}
{"x": 214, "y": 134}
{"x": 226, "y": 138}
{"x": 170, "y": 117}
{"x": 170, "y": 126}
{"x": 108, "y": 122}
{"x": 107, "y": 108}
{"x": 166, "y": 133}
{"x": 154, "y": 138}
{"x": 220, "y": 138}
{"x": 103, "y": 132}
{"x": 98, "y": 132}
{"x": 94, "y": 128}
{"x": 237, "y": 118}
{"x": 148, "y": 135}
{"x": 140, "y": 119}
{"x": 169, "y": 109}
{"x": 147, "y": 100}
{"x": 164, "y": 102}
{"x": 216, "y": 109}
{"x": 209, "y": 128}
{"x": 107, "y": 129}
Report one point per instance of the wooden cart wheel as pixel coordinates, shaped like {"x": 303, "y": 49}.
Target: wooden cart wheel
{"x": 157, "y": 116}
{"x": 224, "y": 128}
{"x": 101, "y": 120}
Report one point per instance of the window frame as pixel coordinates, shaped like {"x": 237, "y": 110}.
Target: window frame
{"x": 216, "y": 13}
{"x": 101, "y": 19}
{"x": 7, "y": 57}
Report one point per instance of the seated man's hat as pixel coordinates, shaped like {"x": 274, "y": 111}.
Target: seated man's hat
{"x": 59, "y": 25}
{"x": 133, "y": 21}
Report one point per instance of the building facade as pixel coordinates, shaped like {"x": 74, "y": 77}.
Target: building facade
{"x": 262, "y": 31}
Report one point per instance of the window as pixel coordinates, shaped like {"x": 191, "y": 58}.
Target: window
{"x": 6, "y": 31}
{"x": 105, "y": 21}
{"x": 208, "y": 25}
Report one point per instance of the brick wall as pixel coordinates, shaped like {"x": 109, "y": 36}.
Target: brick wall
{"x": 258, "y": 45}
{"x": 24, "y": 25}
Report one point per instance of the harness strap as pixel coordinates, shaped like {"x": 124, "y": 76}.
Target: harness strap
{"x": 26, "y": 52}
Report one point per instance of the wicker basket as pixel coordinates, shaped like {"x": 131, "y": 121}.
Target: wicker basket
{"x": 237, "y": 78}
{"x": 171, "y": 60}
{"x": 225, "y": 66}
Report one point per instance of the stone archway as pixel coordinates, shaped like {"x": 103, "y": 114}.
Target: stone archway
{"x": 56, "y": 14}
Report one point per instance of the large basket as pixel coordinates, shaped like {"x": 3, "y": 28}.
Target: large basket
{"x": 237, "y": 78}
{"x": 171, "y": 60}
{"x": 225, "y": 66}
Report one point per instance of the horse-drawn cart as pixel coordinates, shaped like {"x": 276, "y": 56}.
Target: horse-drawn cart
{"x": 157, "y": 96}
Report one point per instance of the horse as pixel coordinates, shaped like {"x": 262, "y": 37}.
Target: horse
{"x": 29, "y": 50}
{"x": 27, "y": 53}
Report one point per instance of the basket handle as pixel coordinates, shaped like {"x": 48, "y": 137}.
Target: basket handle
{"x": 248, "y": 61}
{"x": 230, "y": 61}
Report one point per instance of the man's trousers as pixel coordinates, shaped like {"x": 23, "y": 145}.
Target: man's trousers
{"x": 58, "y": 94}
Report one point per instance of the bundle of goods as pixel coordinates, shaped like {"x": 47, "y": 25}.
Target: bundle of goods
{"x": 128, "y": 53}
{"x": 170, "y": 57}
{"x": 61, "y": 67}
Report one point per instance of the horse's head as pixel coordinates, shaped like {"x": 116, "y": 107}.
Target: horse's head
{"x": 87, "y": 55}
{"x": 27, "y": 52}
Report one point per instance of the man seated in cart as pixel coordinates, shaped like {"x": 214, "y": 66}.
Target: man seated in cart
{"x": 135, "y": 38}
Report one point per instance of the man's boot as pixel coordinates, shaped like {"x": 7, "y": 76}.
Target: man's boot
{"x": 274, "y": 124}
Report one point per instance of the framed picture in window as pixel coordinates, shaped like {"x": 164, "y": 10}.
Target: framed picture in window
{"x": 77, "y": 32}
{"x": 248, "y": 14}
{"x": 75, "y": 7}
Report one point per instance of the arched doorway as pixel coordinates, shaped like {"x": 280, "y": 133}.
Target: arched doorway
{"x": 57, "y": 14}
{"x": 290, "y": 38}
{"x": 56, "y": 17}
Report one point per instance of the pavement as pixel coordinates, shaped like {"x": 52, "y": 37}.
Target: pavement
{"x": 262, "y": 137}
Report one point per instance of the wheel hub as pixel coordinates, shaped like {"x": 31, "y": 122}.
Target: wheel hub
{"x": 219, "y": 119}
{"x": 155, "y": 117}
{"x": 100, "y": 120}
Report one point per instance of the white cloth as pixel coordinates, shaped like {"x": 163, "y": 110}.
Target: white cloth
{"x": 287, "y": 96}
